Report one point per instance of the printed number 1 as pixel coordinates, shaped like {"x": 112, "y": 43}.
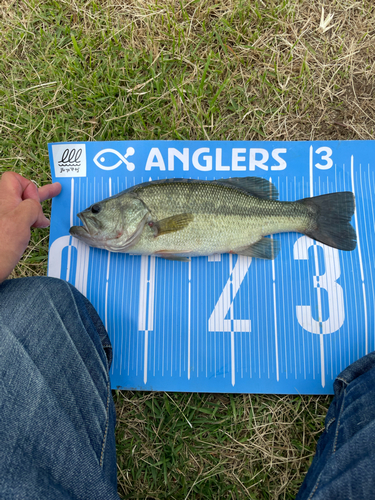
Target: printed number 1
{"x": 327, "y": 282}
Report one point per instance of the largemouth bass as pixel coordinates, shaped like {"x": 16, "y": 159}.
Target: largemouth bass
{"x": 181, "y": 218}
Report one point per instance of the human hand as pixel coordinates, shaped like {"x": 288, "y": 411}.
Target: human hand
{"x": 20, "y": 209}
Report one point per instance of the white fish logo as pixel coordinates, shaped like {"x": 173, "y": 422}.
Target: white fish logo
{"x": 100, "y": 158}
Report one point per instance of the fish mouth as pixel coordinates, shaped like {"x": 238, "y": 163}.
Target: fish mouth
{"x": 79, "y": 232}
{"x": 92, "y": 233}
{"x": 86, "y": 232}
{"x": 85, "y": 226}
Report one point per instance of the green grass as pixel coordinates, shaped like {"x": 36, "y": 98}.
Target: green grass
{"x": 226, "y": 70}
{"x": 214, "y": 445}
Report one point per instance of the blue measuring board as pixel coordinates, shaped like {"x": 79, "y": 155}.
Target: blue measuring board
{"x": 224, "y": 323}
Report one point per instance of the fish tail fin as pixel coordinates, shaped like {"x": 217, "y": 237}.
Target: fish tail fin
{"x": 332, "y": 214}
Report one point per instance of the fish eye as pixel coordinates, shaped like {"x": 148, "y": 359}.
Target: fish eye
{"x": 95, "y": 209}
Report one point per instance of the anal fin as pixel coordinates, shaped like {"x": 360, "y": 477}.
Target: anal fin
{"x": 182, "y": 257}
{"x": 265, "y": 248}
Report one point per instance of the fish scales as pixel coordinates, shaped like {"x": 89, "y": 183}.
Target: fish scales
{"x": 225, "y": 218}
{"x": 180, "y": 218}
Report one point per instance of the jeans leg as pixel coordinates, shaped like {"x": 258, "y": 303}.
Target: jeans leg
{"x": 57, "y": 415}
{"x": 344, "y": 464}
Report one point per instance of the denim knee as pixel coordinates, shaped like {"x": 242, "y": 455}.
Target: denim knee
{"x": 29, "y": 304}
{"x": 56, "y": 407}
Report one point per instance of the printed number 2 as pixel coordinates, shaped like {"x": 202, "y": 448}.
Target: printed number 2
{"x": 327, "y": 282}
{"x": 217, "y": 321}
{"x": 326, "y": 157}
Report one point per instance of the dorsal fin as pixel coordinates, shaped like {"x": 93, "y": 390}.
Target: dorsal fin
{"x": 255, "y": 186}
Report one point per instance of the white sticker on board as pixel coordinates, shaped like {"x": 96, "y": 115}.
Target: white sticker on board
{"x": 69, "y": 160}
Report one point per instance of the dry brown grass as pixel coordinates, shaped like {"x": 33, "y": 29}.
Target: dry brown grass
{"x": 224, "y": 70}
{"x": 215, "y": 446}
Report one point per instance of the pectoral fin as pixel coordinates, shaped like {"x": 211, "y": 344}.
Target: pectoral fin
{"x": 263, "y": 249}
{"x": 171, "y": 224}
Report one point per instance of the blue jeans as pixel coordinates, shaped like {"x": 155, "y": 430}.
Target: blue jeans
{"x": 344, "y": 464}
{"x": 57, "y": 415}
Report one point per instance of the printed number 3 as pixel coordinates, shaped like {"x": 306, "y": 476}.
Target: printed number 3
{"x": 327, "y": 282}
{"x": 326, "y": 157}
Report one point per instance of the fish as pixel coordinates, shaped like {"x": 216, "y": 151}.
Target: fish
{"x": 181, "y": 218}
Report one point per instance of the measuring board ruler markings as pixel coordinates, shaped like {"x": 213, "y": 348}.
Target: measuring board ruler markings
{"x": 228, "y": 323}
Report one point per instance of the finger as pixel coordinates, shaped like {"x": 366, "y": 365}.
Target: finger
{"x": 31, "y": 191}
{"x": 49, "y": 191}
{"x": 42, "y": 222}
{"x": 12, "y": 186}
{"x": 29, "y": 213}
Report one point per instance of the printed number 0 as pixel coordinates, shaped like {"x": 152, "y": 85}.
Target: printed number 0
{"x": 326, "y": 157}
{"x": 327, "y": 282}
